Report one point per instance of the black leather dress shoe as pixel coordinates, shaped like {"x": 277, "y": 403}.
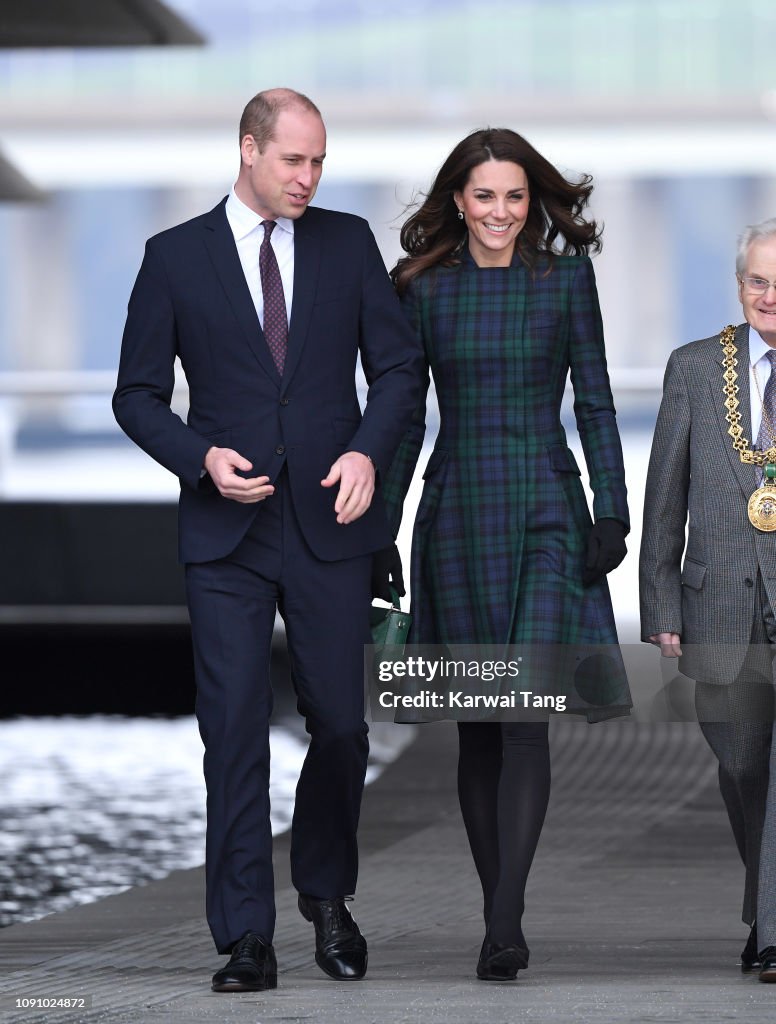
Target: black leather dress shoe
{"x": 750, "y": 958}
{"x": 500, "y": 963}
{"x": 340, "y": 948}
{"x": 768, "y": 961}
{"x": 252, "y": 967}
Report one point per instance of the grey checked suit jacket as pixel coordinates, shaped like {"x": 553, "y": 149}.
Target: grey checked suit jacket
{"x": 697, "y": 481}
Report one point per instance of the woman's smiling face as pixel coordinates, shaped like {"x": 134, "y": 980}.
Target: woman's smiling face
{"x": 494, "y": 203}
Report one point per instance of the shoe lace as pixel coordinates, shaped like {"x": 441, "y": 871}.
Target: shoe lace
{"x": 245, "y": 949}
{"x": 340, "y": 915}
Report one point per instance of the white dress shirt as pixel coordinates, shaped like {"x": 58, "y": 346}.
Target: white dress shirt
{"x": 248, "y": 236}
{"x": 759, "y": 371}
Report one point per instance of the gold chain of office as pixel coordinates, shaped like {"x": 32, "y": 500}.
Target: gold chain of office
{"x": 762, "y": 504}
{"x": 740, "y": 443}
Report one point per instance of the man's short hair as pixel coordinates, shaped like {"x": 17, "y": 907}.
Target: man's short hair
{"x": 767, "y": 229}
{"x": 260, "y": 116}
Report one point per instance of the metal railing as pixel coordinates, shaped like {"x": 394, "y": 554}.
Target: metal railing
{"x": 67, "y": 383}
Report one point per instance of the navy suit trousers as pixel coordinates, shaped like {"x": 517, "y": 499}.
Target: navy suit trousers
{"x": 325, "y": 607}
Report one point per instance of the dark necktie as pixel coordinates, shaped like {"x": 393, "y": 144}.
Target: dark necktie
{"x": 766, "y": 438}
{"x": 275, "y": 320}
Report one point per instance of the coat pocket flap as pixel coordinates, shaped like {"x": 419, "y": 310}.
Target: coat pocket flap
{"x": 437, "y": 458}
{"x": 693, "y": 574}
{"x": 562, "y": 459}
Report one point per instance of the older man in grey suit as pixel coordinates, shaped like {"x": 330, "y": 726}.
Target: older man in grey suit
{"x": 718, "y": 602}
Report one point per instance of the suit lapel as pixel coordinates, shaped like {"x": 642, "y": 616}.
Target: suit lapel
{"x": 307, "y": 259}
{"x": 747, "y": 475}
{"x": 219, "y": 241}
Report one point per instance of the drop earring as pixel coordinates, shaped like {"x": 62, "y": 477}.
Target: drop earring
{"x": 460, "y": 215}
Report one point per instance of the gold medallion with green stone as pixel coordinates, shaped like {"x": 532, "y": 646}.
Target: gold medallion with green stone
{"x": 762, "y": 504}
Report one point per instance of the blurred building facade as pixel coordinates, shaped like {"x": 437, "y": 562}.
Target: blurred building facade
{"x": 671, "y": 106}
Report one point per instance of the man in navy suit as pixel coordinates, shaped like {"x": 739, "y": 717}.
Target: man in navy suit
{"x": 268, "y": 302}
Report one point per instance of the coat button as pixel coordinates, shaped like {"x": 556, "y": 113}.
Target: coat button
{"x": 748, "y": 582}
{"x": 284, "y": 401}
{"x": 280, "y": 450}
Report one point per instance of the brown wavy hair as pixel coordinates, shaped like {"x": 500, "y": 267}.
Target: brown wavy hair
{"x": 434, "y": 235}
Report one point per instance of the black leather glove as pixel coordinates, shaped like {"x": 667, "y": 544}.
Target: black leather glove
{"x": 386, "y": 570}
{"x": 605, "y": 549}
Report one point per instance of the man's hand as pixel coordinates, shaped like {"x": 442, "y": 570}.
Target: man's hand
{"x": 221, "y": 464}
{"x": 356, "y": 476}
{"x": 668, "y": 644}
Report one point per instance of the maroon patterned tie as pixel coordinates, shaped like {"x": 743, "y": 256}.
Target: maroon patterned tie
{"x": 275, "y": 319}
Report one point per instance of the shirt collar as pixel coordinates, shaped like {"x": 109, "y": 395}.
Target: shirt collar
{"x": 243, "y": 220}
{"x": 757, "y": 347}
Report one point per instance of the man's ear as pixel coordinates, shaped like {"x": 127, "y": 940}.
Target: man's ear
{"x": 248, "y": 150}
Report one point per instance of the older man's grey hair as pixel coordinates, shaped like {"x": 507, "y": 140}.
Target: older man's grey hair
{"x": 752, "y": 234}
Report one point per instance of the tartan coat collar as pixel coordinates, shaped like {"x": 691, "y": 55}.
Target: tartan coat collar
{"x": 468, "y": 263}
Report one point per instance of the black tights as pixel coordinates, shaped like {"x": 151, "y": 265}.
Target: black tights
{"x": 503, "y": 788}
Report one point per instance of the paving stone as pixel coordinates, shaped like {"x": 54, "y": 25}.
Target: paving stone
{"x": 633, "y": 909}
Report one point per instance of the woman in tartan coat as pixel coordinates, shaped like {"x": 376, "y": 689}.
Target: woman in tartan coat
{"x": 504, "y": 548}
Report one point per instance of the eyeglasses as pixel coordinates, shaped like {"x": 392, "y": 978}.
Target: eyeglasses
{"x": 757, "y": 285}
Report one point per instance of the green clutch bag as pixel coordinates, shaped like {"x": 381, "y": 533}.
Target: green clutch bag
{"x": 390, "y": 626}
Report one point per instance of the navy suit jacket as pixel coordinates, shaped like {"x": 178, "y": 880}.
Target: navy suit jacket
{"x": 191, "y": 300}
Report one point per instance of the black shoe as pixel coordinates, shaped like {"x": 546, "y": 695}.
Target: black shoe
{"x": 252, "y": 967}
{"x": 750, "y": 958}
{"x": 340, "y": 948}
{"x": 768, "y": 960}
{"x": 500, "y": 963}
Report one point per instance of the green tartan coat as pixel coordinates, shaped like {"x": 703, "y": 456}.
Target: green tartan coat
{"x": 501, "y": 530}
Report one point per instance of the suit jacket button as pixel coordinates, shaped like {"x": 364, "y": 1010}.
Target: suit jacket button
{"x": 280, "y": 450}
{"x": 284, "y": 401}
{"x": 748, "y": 582}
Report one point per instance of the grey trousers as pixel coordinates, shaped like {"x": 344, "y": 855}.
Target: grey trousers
{"x": 737, "y": 722}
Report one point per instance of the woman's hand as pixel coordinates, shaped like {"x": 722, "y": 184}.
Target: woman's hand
{"x": 387, "y": 572}
{"x": 605, "y": 549}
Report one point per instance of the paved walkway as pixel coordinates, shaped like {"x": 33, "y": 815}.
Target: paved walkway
{"x": 633, "y": 909}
